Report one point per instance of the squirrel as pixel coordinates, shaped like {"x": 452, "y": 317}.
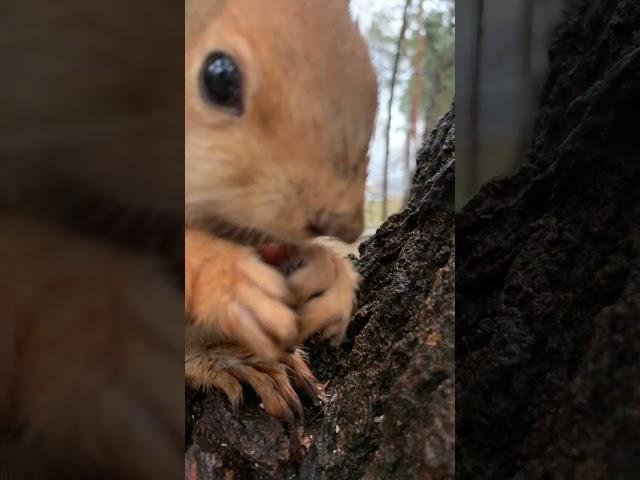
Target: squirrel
{"x": 280, "y": 105}
{"x": 91, "y": 202}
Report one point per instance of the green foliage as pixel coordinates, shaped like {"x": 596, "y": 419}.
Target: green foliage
{"x": 439, "y": 66}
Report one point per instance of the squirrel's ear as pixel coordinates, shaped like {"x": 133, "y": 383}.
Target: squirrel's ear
{"x": 199, "y": 13}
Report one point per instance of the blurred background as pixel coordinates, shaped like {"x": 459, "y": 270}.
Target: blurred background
{"x": 501, "y": 56}
{"x": 499, "y": 49}
{"x": 412, "y": 48}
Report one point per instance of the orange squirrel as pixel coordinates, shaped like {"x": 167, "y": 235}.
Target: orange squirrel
{"x": 91, "y": 348}
{"x": 280, "y": 101}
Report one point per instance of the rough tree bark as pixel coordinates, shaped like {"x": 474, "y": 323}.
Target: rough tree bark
{"x": 391, "y": 412}
{"x": 548, "y": 274}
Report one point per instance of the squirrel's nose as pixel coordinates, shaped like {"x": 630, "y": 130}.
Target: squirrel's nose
{"x": 345, "y": 226}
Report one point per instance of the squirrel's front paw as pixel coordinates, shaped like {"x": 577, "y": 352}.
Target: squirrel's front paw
{"x": 325, "y": 288}
{"x": 227, "y": 367}
{"x": 232, "y": 296}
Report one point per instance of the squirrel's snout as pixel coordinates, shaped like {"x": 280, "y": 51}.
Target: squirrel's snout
{"x": 345, "y": 226}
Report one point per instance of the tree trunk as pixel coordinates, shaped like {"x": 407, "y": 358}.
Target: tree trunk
{"x": 415, "y": 97}
{"x": 527, "y": 85}
{"x": 391, "y": 410}
{"x": 474, "y": 106}
{"x": 392, "y": 88}
{"x": 548, "y": 275}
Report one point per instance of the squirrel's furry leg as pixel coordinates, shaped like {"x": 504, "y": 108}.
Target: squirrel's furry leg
{"x": 227, "y": 367}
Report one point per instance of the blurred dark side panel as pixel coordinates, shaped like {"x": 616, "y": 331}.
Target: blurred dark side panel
{"x": 501, "y": 57}
{"x": 91, "y": 239}
{"x": 548, "y": 256}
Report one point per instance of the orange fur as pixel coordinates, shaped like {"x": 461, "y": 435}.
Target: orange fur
{"x": 297, "y": 153}
{"x": 231, "y": 295}
{"x": 91, "y": 341}
{"x": 300, "y": 149}
{"x": 325, "y": 272}
{"x": 88, "y": 349}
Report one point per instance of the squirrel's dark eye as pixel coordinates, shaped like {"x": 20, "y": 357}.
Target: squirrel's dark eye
{"x": 222, "y": 82}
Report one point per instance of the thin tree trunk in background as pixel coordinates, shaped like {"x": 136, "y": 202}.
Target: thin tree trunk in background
{"x": 407, "y": 164}
{"x": 416, "y": 96}
{"x": 430, "y": 117}
{"x": 394, "y": 74}
{"x": 527, "y": 85}
{"x": 472, "y": 180}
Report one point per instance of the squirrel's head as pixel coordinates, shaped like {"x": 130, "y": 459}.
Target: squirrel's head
{"x": 280, "y": 101}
